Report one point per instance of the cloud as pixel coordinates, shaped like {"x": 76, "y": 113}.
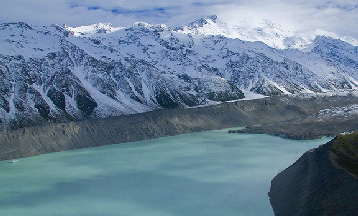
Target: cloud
{"x": 338, "y": 16}
{"x": 299, "y": 15}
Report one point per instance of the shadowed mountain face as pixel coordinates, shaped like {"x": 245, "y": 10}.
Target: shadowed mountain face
{"x": 61, "y": 74}
{"x": 322, "y": 182}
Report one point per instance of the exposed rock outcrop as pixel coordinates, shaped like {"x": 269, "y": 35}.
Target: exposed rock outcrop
{"x": 322, "y": 182}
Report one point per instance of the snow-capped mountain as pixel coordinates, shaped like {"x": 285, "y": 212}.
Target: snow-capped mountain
{"x": 59, "y": 73}
{"x": 259, "y": 30}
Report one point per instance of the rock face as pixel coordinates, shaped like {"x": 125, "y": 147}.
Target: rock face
{"x": 322, "y": 182}
{"x": 65, "y": 136}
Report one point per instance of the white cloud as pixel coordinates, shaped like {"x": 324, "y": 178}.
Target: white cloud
{"x": 300, "y": 15}
{"x": 339, "y": 16}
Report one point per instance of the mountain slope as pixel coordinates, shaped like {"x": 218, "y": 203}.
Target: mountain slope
{"x": 322, "y": 182}
{"x": 60, "y": 73}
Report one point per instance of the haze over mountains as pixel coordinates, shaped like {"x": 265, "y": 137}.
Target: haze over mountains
{"x": 60, "y": 73}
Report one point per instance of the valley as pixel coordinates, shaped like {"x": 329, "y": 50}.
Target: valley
{"x": 64, "y": 88}
{"x": 275, "y": 110}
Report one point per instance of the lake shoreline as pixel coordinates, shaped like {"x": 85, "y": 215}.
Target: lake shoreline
{"x": 55, "y": 137}
{"x": 302, "y": 129}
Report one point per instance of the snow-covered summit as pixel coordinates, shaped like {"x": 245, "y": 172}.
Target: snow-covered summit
{"x": 202, "y": 26}
{"x": 262, "y": 30}
{"x": 98, "y": 28}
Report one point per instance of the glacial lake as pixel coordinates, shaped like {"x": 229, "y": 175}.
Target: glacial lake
{"x": 206, "y": 173}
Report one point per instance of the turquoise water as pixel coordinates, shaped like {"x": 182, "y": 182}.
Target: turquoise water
{"x": 206, "y": 173}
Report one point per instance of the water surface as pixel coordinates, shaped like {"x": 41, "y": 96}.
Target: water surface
{"x": 206, "y": 173}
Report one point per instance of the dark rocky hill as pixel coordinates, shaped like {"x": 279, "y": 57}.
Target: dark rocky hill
{"x": 322, "y": 182}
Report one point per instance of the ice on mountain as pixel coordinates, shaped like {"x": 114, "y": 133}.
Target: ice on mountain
{"x": 100, "y": 70}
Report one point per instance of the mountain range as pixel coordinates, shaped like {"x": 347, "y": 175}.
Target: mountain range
{"x": 60, "y": 73}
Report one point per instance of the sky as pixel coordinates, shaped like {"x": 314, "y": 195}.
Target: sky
{"x": 338, "y": 16}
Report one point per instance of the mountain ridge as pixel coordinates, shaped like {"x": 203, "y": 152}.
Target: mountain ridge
{"x": 55, "y": 74}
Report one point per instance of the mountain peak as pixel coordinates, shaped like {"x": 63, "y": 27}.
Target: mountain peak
{"x": 249, "y": 30}
{"x": 203, "y": 26}
{"x": 203, "y": 21}
{"x": 264, "y": 30}
{"x": 98, "y": 28}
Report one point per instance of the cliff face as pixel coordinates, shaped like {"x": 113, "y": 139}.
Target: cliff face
{"x": 322, "y": 182}
{"x": 66, "y": 136}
